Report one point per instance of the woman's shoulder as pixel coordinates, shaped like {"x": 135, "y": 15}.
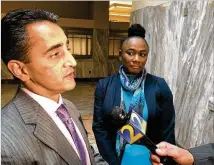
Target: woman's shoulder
{"x": 161, "y": 84}
{"x": 157, "y": 79}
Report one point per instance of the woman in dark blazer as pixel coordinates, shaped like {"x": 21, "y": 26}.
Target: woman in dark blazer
{"x": 132, "y": 89}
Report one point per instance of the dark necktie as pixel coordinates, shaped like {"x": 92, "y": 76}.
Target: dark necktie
{"x": 65, "y": 118}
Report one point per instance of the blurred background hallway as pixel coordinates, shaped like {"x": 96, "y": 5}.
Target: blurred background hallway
{"x": 180, "y": 36}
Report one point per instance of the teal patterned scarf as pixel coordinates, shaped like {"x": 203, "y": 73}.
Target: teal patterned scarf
{"x": 137, "y": 85}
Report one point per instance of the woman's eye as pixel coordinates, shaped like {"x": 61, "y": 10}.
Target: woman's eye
{"x": 143, "y": 54}
{"x": 130, "y": 53}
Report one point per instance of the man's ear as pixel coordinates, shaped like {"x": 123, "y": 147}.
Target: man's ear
{"x": 18, "y": 69}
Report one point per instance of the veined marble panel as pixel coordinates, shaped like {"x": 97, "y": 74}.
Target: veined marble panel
{"x": 113, "y": 66}
{"x": 84, "y": 68}
{"x": 100, "y": 52}
{"x": 181, "y": 40}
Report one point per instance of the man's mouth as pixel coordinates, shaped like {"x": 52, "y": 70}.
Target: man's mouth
{"x": 70, "y": 76}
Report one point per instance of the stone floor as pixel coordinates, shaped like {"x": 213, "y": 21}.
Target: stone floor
{"x": 82, "y": 96}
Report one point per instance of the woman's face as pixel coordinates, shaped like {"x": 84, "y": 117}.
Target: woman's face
{"x": 134, "y": 54}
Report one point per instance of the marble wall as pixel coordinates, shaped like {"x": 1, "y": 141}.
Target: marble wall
{"x": 84, "y": 68}
{"x": 113, "y": 66}
{"x": 100, "y": 52}
{"x": 181, "y": 39}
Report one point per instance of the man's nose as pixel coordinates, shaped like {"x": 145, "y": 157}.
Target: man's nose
{"x": 69, "y": 60}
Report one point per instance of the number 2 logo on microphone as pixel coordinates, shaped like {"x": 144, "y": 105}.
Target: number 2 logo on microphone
{"x": 138, "y": 122}
{"x": 130, "y": 134}
{"x": 135, "y": 129}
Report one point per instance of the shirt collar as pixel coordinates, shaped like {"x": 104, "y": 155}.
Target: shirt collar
{"x": 49, "y": 105}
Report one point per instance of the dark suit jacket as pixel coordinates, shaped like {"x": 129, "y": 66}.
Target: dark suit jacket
{"x": 203, "y": 155}
{"x": 30, "y": 136}
{"x": 161, "y": 114}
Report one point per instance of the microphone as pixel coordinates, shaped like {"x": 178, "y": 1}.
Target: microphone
{"x": 135, "y": 129}
{"x": 119, "y": 117}
{"x": 139, "y": 123}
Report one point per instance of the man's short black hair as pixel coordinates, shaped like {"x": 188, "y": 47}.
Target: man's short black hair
{"x": 15, "y": 42}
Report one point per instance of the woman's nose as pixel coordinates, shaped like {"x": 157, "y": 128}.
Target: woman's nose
{"x": 136, "y": 57}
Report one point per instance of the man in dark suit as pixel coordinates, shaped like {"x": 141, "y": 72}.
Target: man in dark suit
{"x": 202, "y": 155}
{"x": 38, "y": 125}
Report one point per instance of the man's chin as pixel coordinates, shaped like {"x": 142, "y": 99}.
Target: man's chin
{"x": 69, "y": 86}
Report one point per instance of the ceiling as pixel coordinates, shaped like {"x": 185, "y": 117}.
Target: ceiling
{"x": 119, "y": 11}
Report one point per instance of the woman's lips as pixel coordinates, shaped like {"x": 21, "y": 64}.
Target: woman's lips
{"x": 135, "y": 67}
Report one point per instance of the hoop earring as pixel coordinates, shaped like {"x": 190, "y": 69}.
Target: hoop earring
{"x": 120, "y": 58}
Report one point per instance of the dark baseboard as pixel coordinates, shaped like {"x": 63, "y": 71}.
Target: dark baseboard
{"x": 87, "y": 79}
{"x": 10, "y": 81}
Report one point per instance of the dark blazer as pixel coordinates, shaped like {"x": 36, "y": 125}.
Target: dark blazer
{"x": 30, "y": 136}
{"x": 203, "y": 155}
{"x": 161, "y": 114}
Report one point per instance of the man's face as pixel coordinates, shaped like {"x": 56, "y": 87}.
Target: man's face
{"x": 51, "y": 67}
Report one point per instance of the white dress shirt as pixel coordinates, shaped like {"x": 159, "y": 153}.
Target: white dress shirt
{"x": 50, "y": 107}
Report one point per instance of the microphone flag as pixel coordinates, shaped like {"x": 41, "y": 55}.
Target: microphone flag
{"x": 135, "y": 129}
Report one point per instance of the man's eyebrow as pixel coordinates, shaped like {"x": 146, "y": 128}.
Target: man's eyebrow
{"x": 54, "y": 47}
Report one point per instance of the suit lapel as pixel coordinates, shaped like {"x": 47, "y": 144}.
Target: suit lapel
{"x": 74, "y": 116}
{"x": 46, "y": 130}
